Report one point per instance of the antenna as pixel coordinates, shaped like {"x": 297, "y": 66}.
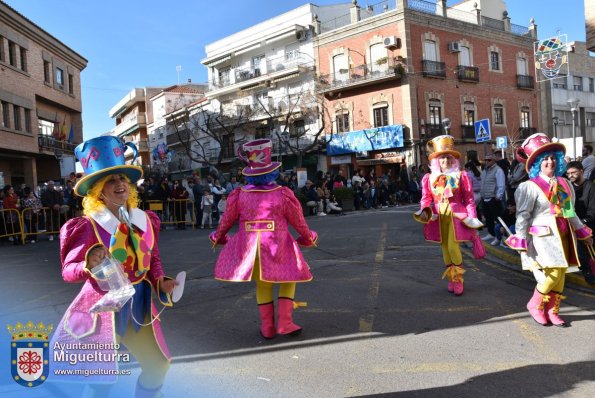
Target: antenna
{"x": 178, "y": 70}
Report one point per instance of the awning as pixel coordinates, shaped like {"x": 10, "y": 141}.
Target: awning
{"x": 371, "y": 162}
{"x": 216, "y": 61}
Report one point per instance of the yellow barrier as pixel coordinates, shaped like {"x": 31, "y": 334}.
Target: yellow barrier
{"x": 174, "y": 211}
{"x": 11, "y": 224}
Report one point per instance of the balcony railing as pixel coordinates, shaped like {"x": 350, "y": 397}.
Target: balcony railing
{"x": 525, "y": 132}
{"x": 130, "y": 124}
{"x": 433, "y": 130}
{"x": 468, "y": 73}
{"x": 433, "y": 69}
{"x": 525, "y": 82}
{"x": 48, "y": 142}
{"x": 468, "y": 132}
{"x": 362, "y": 73}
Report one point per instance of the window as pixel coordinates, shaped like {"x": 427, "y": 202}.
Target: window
{"x": 5, "y": 114}
{"x": 525, "y": 117}
{"x": 590, "y": 119}
{"x": 224, "y": 76}
{"x": 59, "y": 77}
{"x": 468, "y": 113}
{"x": 342, "y": 121}
{"x": 521, "y": 67}
{"x": 560, "y": 83}
{"x": 256, "y": 64}
{"x": 12, "y": 56}
{"x": 378, "y": 58}
{"x": 498, "y": 114}
{"x": 2, "y": 56}
{"x": 381, "y": 116}
{"x": 494, "y": 60}
{"x": 577, "y": 84}
{"x": 340, "y": 67}
{"x": 591, "y": 85}
{"x": 430, "y": 53}
{"x": 45, "y": 127}
{"x": 70, "y": 84}
{"x": 28, "y": 121}
{"x": 16, "y": 110}
{"x": 299, "y": 128}
{"x": 435, "y": 112}
{"x": 46, "y": 72}
{"x": 465, "y": 56}
{"x": 23, "y": 59}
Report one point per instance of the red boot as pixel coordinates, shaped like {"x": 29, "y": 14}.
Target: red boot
{"x": 285, "y": 325}
{"x": 552, "y": 307}
{"x": 535, "y": 307}
{"x": 267, "y": 320}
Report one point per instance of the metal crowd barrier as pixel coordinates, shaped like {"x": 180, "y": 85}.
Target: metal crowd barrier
{"x": 173, "y": 211}
{"x": 11, "y": 224}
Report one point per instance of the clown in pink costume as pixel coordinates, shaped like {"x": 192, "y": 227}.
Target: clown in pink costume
{"x": 109, "y": 191}
{"x": 264, "y": 250}
{"x": 547, "y": 227}
{"x": 447, "y": 208}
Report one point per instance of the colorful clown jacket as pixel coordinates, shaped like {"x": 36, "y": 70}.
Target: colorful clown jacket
{"x": 79, "y": 329}
{"x": 264, "y": 214}
{"x": 547, "y": 227}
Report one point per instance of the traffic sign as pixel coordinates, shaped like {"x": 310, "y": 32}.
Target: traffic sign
{"x": 482, "y": 131}
{"x": 502, "y": 142}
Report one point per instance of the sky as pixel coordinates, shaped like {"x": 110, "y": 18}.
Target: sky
{"x": 139, "y": 43}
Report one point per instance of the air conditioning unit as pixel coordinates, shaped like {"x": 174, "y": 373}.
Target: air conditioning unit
{"x": 454, "y": 47}
{"x": 301, "y": 35}
{"x": 392, "y": 42}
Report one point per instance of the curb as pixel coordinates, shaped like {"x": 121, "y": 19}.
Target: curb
{"x": 512, "y": 258}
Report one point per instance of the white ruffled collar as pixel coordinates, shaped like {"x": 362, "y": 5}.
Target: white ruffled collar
{"x": 110, "y": 222}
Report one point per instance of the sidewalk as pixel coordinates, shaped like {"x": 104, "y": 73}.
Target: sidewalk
{"x": 514, "y": 260}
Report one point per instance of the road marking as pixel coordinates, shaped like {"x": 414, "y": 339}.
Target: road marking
{"x": 366, "y": 322}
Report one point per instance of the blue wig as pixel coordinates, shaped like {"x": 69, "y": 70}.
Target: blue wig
{"x": 263, "y": 179}
{"x": 560, "y": 164}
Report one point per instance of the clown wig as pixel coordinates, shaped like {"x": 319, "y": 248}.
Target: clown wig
{"x": 435, "y": 165}
{"x": 92, "y": 201}
{"x": 560, "y": 164}
{"x": 263, "y": 179}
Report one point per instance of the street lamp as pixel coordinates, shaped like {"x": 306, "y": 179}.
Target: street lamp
{"x": 573, "y": 104}
{"x": 555, "y": 121}
{"x": 446, "y": 125}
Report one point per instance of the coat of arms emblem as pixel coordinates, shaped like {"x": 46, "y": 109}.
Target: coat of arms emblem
{"x": 29, "y": 353}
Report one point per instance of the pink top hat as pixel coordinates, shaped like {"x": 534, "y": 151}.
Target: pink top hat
{"x": 536, "y": 145}
{"x": 258, "y": 156}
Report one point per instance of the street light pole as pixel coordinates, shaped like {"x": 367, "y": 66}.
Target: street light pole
{"x": 555, "y": 121}
{"x": 573, "y": 103}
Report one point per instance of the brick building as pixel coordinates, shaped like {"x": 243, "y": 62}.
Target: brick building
{"x": 40, "y": 101}
{"x": 405, "y": 66}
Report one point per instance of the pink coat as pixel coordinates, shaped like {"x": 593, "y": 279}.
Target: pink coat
{"x": 462, "y": 204}
{"x": 264, "y": 214}
{"x": 77, "y": 236}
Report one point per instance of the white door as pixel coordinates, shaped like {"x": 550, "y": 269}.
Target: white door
{"x": 340, "y": 67}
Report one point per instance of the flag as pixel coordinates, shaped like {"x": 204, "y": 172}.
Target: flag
{"x": 56, "y": 132}
{"x": 71, "y": 135}
{"x": 63, "y": 131}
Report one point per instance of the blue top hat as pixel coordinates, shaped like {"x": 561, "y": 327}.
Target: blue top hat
{"x": 104, "y": 156}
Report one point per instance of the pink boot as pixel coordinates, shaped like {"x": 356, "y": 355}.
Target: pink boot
{"x": 285, "y": 325}
{"x": 267, "y": 320}
{"x": 535, "y": 307}
{"x": 458, "y": 280}
{"x": 552, "y": 307}
{"x": 449, "y": 273}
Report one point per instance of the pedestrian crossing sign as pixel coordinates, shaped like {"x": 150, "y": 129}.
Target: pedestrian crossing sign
{"x": 482, "y": 131}
{"x": 502, "y": 142}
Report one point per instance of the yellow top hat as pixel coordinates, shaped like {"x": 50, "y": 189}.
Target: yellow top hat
{"x": 442, "y": 145}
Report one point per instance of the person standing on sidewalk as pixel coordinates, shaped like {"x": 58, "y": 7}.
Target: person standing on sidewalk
{"x": 547, "y": 227}
{"x": 447, "y": 208}
{"x": 585, "y": 210}
{"x": 492, "y": 193}
{"x": 264, "y": 250}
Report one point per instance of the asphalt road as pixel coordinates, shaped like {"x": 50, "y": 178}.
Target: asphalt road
{"x": 379, "y": 321}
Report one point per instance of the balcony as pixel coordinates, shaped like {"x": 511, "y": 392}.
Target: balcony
{"x": 47, "y": 142}
{"x": 468, "y": 132}
{"x": 468, "y": 74}
{"x": 362, "y": 75}
{"x": 525, "y": 82}
{"x": 433, "y": 130}
{"x": 129, "y": 124}
{"x": 433, "y": 69}
{"x": 179, "y": 164}
{"x": 525, "y": 132}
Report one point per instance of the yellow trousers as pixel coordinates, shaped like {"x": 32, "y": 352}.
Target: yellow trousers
{"x": 264, "y": 290}
{"x": 451, "y": 252}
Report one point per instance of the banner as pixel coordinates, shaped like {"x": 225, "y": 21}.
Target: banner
{"x": 373, "y": 139}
